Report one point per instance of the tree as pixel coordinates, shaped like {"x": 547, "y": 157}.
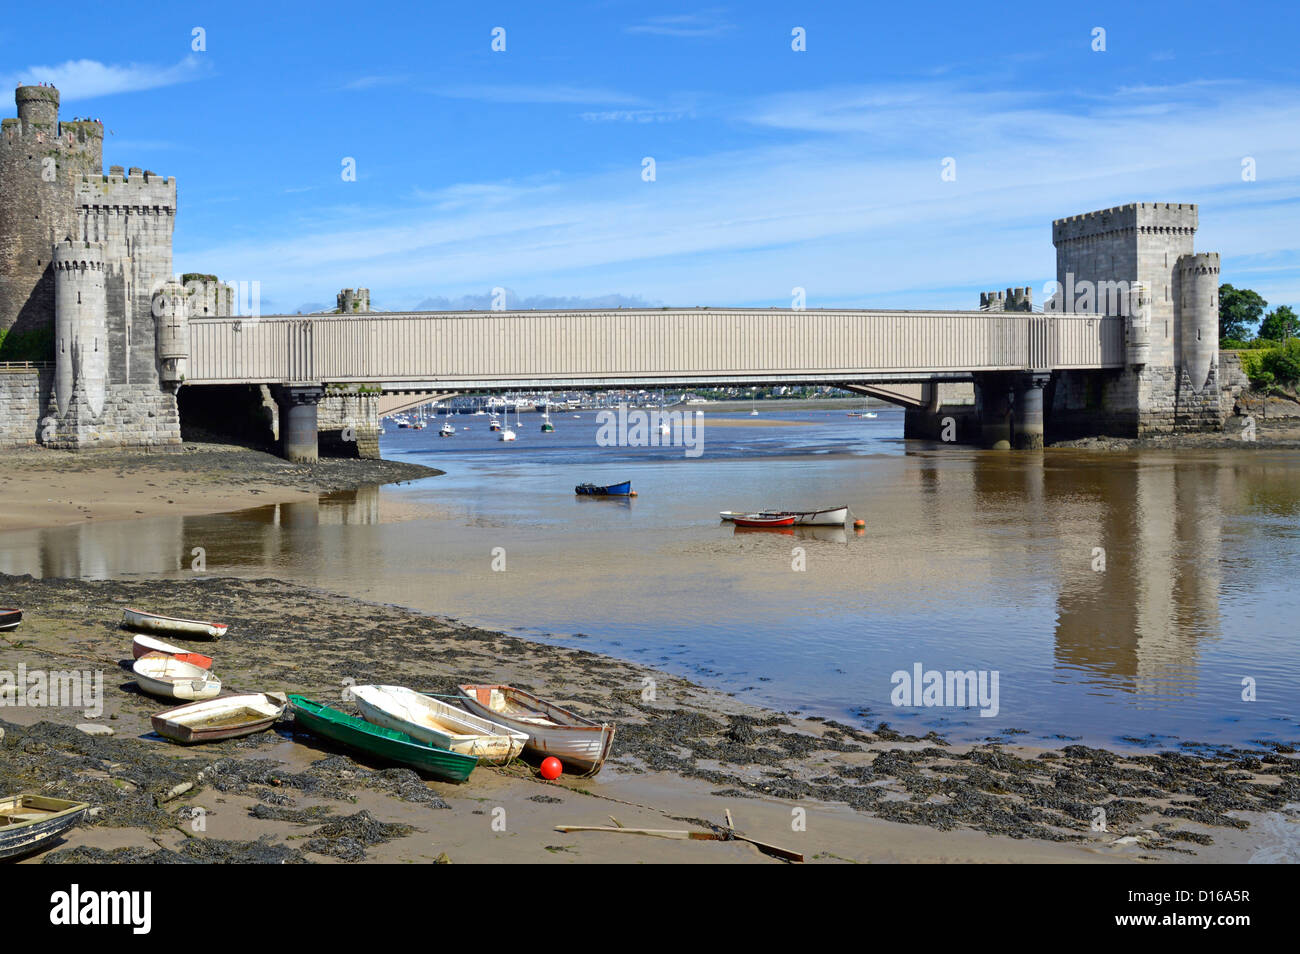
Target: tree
{"x": 1280, "y": 323}
{"x": 1239, "y": 311}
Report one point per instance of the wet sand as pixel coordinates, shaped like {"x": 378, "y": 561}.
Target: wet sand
{"x": 680, "y": 758}
{"x": 48, "y": 488}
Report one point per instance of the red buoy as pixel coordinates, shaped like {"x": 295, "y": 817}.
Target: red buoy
{"x": 551, "y": 768}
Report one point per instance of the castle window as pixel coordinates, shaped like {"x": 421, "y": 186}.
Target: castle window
{"x": 78, "y": 298}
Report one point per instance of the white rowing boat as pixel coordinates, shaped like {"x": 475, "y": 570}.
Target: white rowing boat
{"x": 172, "y": 625}
{"x": 170, "y": 678}
{"x": 436, "y": 722}
{"x": 552, "y": 730}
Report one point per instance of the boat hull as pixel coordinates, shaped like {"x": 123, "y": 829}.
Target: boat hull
{"x": 29, "y": 823}
{"x": 758, "y": 522}
{"x": 440, "y": 724}
{"x": 611, "y": 490}
{"x": 581, "y": 744}
{"x": 169, "y": 678}
{"x": 172, "y": 625}
{"x": 225, "y": 717}
{"x": 10, "y": 617}
{"x": 143, "y": 645}
{"x": 387, "y": 744}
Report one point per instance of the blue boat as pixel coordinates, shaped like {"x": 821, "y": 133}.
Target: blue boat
{"x": 613, "y": 490}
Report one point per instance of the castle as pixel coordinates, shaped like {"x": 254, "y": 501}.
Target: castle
{"x": 86, "y": 280}
{"x": 86, "y": 275}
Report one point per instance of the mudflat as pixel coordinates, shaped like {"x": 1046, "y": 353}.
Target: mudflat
{"x": 683, "y": 755}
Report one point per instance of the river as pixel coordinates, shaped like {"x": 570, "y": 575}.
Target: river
{"x": 1126, "y": 599}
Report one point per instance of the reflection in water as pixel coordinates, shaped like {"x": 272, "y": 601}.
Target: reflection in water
{"x": 162, "y": 546}
{"x": 970, "y": 559}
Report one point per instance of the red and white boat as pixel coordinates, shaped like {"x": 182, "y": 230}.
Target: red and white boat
{"x": 764, "y": 521}
{"x": 142, "y": 644}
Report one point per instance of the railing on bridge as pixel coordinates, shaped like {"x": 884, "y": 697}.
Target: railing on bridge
{"x": 629, "y": 347}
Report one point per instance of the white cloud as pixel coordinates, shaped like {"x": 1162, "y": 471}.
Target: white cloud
{"x": 705, "y": 23}
{"x": 853, "y": 209}
{"x": 582, "y": 95}
{"x": 87, "y": 79}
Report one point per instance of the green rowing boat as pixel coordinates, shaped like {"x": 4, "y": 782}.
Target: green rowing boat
{"x": 385, "y": 743}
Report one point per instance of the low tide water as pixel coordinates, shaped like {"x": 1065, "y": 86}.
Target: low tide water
{"x": 1125, "y": 599}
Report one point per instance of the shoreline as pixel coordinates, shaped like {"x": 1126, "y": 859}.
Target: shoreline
{"x": 42, "y": 489}
{"x": 688, "y": 753}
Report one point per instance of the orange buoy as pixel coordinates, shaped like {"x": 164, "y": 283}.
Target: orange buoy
{"x": 551, "y": 768}
{"x": 859, "y": 524}
{"x": 631, "y": 493}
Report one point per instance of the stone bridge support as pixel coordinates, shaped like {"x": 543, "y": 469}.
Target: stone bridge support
{"x": 298, "y": 422}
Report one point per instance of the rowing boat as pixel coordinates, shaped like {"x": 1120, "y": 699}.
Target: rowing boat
{"x": 388, "y": 744}
{"x": 172, "y": 625}
{"x": 143, "y": 645}
{"x": 577, "y": 741}
{"x": 29, "y": 823}
{"x": 225, "y": 717}
{"x": 611, "y": 490}
{"x": 763, "y": 521}
{"x": 170, "y": 678}
{"x": 440, "y": 724}
{"x": 830, "y": 517}
{"x": 10, "y": 617}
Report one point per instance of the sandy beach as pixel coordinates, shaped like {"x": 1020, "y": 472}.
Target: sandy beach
{"x": 683, "y": 755}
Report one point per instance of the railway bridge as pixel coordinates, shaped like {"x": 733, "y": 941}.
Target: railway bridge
{"x": 897, "y": 355}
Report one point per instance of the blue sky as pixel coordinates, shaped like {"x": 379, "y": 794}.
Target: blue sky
{"x": 773, "y": 168}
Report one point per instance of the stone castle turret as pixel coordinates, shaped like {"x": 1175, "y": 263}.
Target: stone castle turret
{"x": 1013, "y": 299}
{"x": 82, "y": 255}
{"x": 353, "y": 301}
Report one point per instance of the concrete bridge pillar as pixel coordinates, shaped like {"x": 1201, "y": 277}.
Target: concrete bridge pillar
{"x": 1029, "y": 411}
{"x": 298, "y": 422}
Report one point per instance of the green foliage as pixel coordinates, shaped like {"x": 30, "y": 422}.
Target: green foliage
{"x": 35, "y": 345}
{"x": 1284, "y": 362}
{"x": 1280, "y": 324}
{"x": 1239, "y": 311}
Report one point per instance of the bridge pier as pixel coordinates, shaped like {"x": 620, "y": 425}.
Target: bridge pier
{"x": 298, "y": 422}
{"x": 1029, "y": 411}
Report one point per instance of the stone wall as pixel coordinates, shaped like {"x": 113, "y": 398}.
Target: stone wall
{"x": 347, "y": 422}
{"x": 24, "y": 395}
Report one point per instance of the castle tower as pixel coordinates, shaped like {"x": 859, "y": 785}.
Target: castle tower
{"x": 173, "y": 333}
{"x": 1129, "y": 262}
{"x": 1198, "y": 315}
{"x": 1013, "y": 299}
{"x": 40, "y": 160}
{"x": 352, "y": 301}
{"x": 80, "y": 326}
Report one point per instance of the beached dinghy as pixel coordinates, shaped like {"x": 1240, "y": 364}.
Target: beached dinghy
{"x": 225, "y": 717}
{"x": 580, "y": 743}
{"x": 443, "y": 725}
{"x": 29, "y": 823}
{"x": 169, "y": 678}
{"x": 375, "y": 740}
{"x": 143, "y": 645}
{"x": 172, "y": 625}
{"x": 10, "y": 617}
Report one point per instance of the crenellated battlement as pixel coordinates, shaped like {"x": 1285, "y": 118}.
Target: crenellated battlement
{"x": 1147, "y": 218}
{"x": 1202, "y": 263}
{"x": 142, "y": 192}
